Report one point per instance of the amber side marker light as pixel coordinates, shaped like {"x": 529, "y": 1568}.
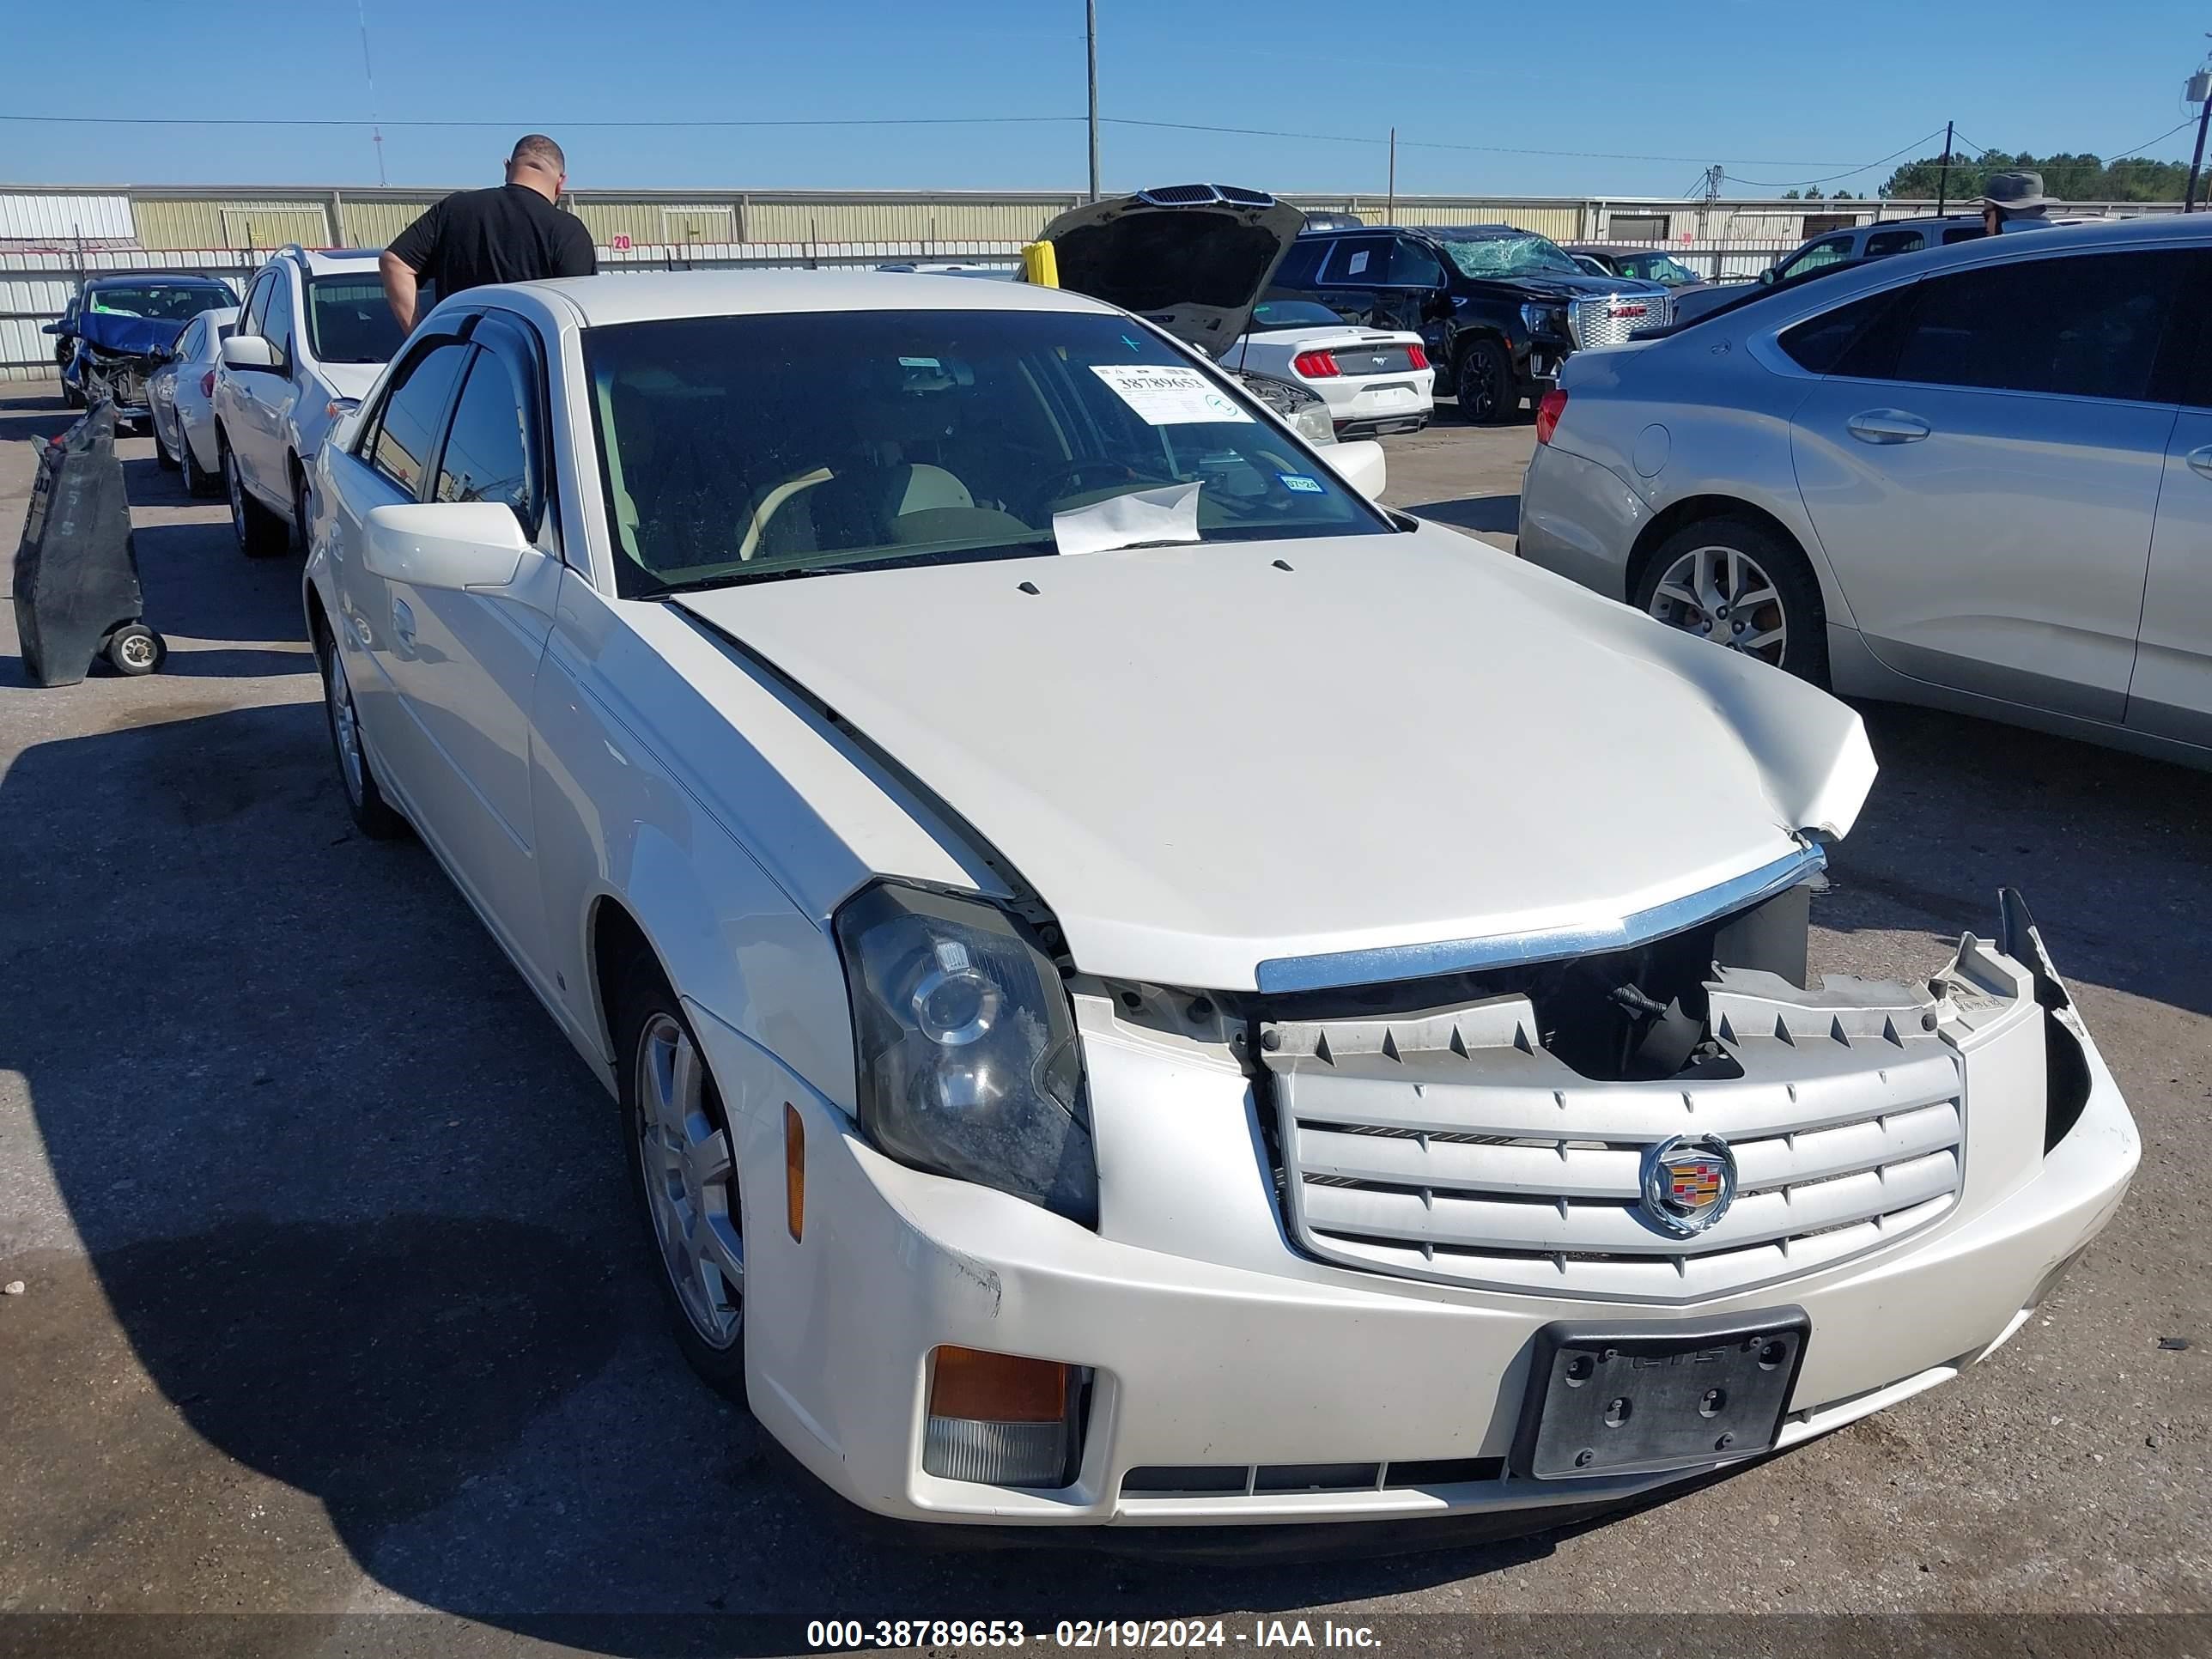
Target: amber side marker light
{"x": 999, "y": 1419}
{"x": 794, "y": 1171}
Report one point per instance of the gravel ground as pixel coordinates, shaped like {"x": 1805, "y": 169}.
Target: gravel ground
{"x": 331, "y": 1303}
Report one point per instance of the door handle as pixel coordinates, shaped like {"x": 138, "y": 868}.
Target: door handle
{"x": 1888, "y": 426}
{"x": 2200, "y": 461}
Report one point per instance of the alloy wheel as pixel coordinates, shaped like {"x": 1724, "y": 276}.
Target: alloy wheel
{"x": 345, "y": 725}
{"x": 690, "y": 1181}
{"x": 1722, "y": 594}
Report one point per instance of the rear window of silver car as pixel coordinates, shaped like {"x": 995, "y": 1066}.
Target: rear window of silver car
{"x": 738, "y": 448}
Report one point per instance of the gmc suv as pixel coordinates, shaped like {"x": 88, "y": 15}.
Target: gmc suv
{"x": 1500, "y": 308}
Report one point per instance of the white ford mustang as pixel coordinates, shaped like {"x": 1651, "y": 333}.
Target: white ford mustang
{"x": 1142, "y": 988}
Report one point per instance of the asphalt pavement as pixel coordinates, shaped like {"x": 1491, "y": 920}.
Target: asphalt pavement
{"x": 333, "y": 1303}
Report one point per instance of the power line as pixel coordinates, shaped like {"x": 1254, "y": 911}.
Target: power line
{"x": 1795, "y": 184}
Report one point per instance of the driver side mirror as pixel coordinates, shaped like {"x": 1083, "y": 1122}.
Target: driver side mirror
{"x": 1361, "y": 464}
{"x": 249, "y": 352}
{"x": 445, "y": 544}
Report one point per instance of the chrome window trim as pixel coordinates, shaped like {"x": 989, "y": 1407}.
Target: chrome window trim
{"x": 1335, "y": 968}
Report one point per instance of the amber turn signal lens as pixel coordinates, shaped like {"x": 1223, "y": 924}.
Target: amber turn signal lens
{"x": 794, "y": 1171}
{"x": 997, "y": 1387}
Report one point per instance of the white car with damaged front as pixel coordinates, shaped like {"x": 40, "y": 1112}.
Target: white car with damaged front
{"x": 1142, "y": 988}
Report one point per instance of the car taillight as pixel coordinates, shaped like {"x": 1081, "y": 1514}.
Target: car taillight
{"x": 207, "y": 383}
{"x": 1549, "y": 408}
{"x": 1417, "y": 357}
{"x": 1316, "y": 365}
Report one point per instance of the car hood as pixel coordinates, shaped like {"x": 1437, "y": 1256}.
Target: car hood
{"x": 129, "y": 337}
{"x": 1547, "y": 285}
{"x": 1206, "y": 758}
{"x": 1182, "y": 256}
{"x": 350, "y": 379}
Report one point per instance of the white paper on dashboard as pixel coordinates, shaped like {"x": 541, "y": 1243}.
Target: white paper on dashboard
{"x": 1165, "y": 395}
{"x": 1166, "y": 515}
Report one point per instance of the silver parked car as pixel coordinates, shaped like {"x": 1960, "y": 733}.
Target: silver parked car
{"x": 1978, "y": 477}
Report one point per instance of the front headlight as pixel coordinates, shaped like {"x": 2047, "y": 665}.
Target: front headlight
{"x": 965, "y": 1048}
{"x": 1545, "y": 320}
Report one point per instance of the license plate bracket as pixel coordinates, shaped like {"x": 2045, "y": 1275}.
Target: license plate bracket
{"x": 1645, "y": 1399}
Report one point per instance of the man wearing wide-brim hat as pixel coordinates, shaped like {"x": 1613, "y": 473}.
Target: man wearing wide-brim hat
{"x": 2013, "y": 201}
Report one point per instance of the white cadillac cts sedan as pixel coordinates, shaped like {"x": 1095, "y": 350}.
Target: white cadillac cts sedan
{"x": 1142, "y": 988}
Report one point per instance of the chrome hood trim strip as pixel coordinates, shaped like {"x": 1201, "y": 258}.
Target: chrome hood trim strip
{"x": 1338, "y": 969}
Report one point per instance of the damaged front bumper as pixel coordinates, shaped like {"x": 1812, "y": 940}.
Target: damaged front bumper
{"x": 117, "y": 377}
{"x": 1263, "y": 1338}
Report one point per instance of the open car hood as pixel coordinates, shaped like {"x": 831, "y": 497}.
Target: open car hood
{"x": 1229, "y": 765}
{"x": 1194, "y": 259}
{"x": 127, "y": 336}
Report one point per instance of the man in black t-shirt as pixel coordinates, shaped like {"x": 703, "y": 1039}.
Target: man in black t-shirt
{"x": 512, "y": 233}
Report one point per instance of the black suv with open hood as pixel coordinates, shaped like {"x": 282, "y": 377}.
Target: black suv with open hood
{"x": 1500, "y": 308}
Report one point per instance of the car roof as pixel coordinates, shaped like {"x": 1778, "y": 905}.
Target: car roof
{"x": 635, "y": 297}
{"x": 182, "y": 278}
{"x": 330, "y": 260}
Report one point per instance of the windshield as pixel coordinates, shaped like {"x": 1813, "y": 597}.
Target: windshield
{"x": 1658, "y": 268}
{"x": 738, "y": 448}
{"x": 1291, "y": 313}
{"x": 1510, "y": 256}
{"x": 164, "y": 303}
{"x": 349, "y": 321}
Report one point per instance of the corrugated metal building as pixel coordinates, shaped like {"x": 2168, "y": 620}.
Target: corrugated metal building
{"x": 264, "y": 216}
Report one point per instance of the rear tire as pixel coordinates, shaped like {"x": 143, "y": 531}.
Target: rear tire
{"x": 161, "y": 456}
{"x": 683, "y": 1170}
{"x": 198, "y": 480}
{"x": 1483, "y": 379}
{"x": 261, "y": 534}
{"x": 1704, "y": 567}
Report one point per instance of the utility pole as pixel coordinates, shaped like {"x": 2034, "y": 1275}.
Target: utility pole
{"x": 1390, "y": 214}
{"x": 1090, "y": 54}
{"x": 1943, "y": 189}
{"x": 2199, "y": 92}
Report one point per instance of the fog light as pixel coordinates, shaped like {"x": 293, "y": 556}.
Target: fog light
{"x": 1000, "y": 1420}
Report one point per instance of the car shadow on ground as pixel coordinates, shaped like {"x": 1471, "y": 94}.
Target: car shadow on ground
{"x": 1489, "y": 514}
{"x": 360, "y": 1215}
{"x": 2113, "y": 852}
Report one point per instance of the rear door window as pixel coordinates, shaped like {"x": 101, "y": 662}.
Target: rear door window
{"x": 1412, "y": 266}
{"x": 1358, "y": 262}
{"x": 1883, "y": 243}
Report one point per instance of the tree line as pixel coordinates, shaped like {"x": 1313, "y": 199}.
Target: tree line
{"x": 2070, "y": 177}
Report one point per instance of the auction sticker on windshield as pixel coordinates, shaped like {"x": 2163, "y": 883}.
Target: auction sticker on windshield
{"x": 1168, "y": 396}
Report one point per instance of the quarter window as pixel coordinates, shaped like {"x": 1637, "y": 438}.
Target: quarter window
{"x": 1823, "y": 344}
{"x": 486, "y": 457}
{"x": 408, "y": 422}
{"x": 1302, "y": 264}
{"x": 2087, "y": 325}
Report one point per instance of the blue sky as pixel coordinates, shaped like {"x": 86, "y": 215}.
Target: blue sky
{"x": 1779, "y": 90}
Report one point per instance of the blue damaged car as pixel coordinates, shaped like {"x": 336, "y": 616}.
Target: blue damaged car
{"x": 121, "y": 328}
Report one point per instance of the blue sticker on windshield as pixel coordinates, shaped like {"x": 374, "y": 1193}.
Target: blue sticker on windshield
{"x": 1303, "y": 484}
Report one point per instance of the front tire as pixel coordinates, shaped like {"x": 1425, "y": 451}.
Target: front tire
{"x": 372, "y": 814}
{"x": 1484, "y": 381}
{"x": 1740, "y": 586}
{"x": 261, "y": 534}
{"x": 683, "y": 1168}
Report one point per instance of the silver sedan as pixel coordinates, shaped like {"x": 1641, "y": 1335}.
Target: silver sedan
{"x": 1978, "y": 477}
{"x": 178, "y": 397}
